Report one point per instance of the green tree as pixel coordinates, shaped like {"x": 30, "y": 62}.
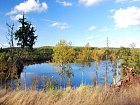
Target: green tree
{"x": 125, "y": 54}
{"x": 25, "y": 34}
{"x": 62, "y": 58}
{"x": 134, "y": 59}
{"x": 130, "y": 57}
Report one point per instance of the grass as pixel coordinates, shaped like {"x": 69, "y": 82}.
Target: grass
{"x": 84, "y": 95}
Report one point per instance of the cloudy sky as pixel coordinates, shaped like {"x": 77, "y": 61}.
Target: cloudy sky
{"x": 78, "y": 21}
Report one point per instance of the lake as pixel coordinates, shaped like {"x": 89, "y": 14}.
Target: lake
{"x": 46, "y": 69}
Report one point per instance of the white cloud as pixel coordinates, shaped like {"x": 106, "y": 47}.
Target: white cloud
{"x": 90, "y": 38}
{"x": 5, "y": 45}
{"x": 136, "y": 29}
{"x": 26, "y": 7}
{"x": 127, "y": 17}
{"x": 89, "y": 2}
{"x": 16, "y": 17}
{"x": 47, "y": 20}
{"x": 124, "y": 42}
{"x": 29, "y": 6}
{"x": 60, "y": 25}
{"x": 92, "y": 28}
{"x": 120, "y": 1}
{"x": 104, "y": 29}
{"x": 112, "y": 10}
{"x": 64, "y": 3}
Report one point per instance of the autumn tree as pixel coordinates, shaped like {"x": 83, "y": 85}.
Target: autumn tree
{"x": 62, "y": 58}
{"x": 25, "y": 35}
{"x": 106, "y": 58}
{"x": 134, "y": 59}
{"x": 84, "y": 58}
{"x": 114, "y": 57}
{"x": 97, "y": 56}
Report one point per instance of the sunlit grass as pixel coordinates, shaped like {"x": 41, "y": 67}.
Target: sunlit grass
{"x": 84, "y": 95}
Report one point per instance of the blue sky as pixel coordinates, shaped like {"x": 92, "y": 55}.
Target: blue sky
{"x": 78, "y": 21}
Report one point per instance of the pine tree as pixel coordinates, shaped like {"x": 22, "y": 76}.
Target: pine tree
{"x": 25, "y": 34}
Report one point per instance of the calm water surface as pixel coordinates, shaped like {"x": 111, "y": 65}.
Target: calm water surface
{"x": 46, "y": 69}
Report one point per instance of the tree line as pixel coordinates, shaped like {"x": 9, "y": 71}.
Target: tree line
{"x": 63, "y": 54}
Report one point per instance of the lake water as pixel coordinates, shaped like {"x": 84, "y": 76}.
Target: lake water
{"x": 46, "y": 69}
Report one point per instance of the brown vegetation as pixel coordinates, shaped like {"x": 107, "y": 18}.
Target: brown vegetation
{"x": 83, "y": 95}
{"x": 129, "y": 79}
{"x": 128, "y": 94}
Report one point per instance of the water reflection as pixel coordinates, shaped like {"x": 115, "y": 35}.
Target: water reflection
{"x": 46, "y": 69}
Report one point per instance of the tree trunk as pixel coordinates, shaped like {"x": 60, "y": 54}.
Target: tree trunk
{"x": 25, "y": 87}
{"x": 82, "y": 77}
{"x": 96, "y": 77}
{"x": 106, "y": 75}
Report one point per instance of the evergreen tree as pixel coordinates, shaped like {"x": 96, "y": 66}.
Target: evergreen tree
{"x": 25, "y": 34}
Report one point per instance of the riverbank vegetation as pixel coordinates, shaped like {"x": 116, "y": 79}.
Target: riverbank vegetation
{"x": 83, "y": 56}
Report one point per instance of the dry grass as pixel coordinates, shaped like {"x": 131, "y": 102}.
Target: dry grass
{"x": 83, "y": 95}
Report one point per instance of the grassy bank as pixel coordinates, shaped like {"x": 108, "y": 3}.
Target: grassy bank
{"x": 83, "y": 95}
